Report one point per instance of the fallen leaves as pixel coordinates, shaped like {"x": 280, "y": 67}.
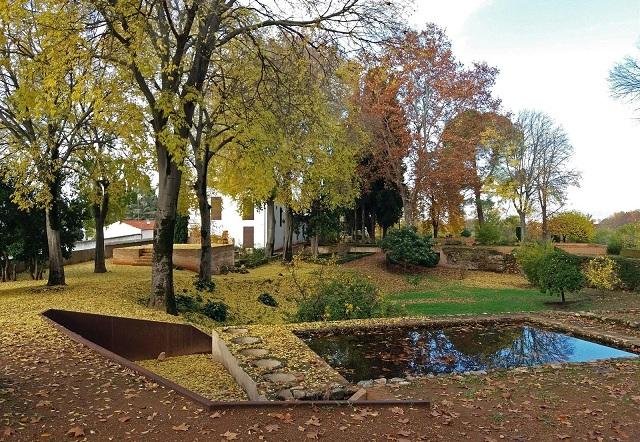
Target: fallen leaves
{"x": 182, "y": 427}
{"x": 228, "y": 435}
{"x": 76, "y": 431}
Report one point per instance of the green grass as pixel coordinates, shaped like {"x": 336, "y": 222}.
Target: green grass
{"x": 456, "y": 299}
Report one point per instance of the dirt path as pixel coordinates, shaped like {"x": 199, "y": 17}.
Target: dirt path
{"x": 59, "y": 390}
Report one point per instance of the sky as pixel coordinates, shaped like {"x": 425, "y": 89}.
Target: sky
{"x": 555, "y": 56}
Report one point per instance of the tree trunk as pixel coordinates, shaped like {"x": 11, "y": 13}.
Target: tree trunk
{"x": 56, "y": 263}
{"x": 206, "y": 256}
{"x": 169, "y": 177}
{"x": 288, "y": 235}
{"x": 100, "y": 214}
{"x": 545, "y": 222}
{"x": 271, "y": 227}
{"x": 523, "y": 227}
{"x": 407, "y": 208}
{"x": 436, "y": 227}
{"x": 479, "y": 208}
{"x": 384, "y": 231}
{"x": 315, "y": 242}
{"x": 562, "y": 295}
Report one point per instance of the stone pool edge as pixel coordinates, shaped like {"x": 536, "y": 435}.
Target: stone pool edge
{"x": 316, "y": 380}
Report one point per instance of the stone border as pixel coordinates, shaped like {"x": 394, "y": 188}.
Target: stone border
{"x": 304, "y": 375}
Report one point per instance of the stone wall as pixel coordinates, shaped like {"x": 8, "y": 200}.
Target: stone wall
{"x": 479, "y": 258}
{"x": 184, "y": 256}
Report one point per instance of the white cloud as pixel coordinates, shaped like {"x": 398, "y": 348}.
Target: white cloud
{"x": 451, "y": 15}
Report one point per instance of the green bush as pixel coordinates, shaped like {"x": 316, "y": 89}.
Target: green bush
{"x": 268, "y": 300}
{"x": 216, "y": 310}
{"x": 188, "y": 303}
{"x": 404, "y": 246}
{"x": 253, "y": 259}
{"x": 204, "y": 286}
{"x": 489, "y": 234}
{"x": 629, "y": 273}
{"x": 560, "y": 273}
{"x": 602, "y": 273}
{"x": 466, "y": 233}
{"x": 343, "y": 296}
{"x": 530, "y": 258}
{"x": 614, "y": 247}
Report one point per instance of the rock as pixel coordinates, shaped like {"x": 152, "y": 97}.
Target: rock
{"x": 299, "y": 394}
{"x": 162, "y": 356}
{"x": 280, "y": 378}
{"x": 381, "y": 381}
{"x": 359, "y": 395}
{"x": 267, "y": 363}
{"x": 336, "y": 394}
{"x": 244, "y": 340}
{"x": 254, "y": 352}
{"x": 285, "y": 395}
{"x": 396, "y": 380}
{"x": 366, "y": 384}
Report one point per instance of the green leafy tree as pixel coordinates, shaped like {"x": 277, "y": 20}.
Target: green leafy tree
{"x": 405, "y": 246}
{"x": 572, "y": 227}
{"x": 560, "y": 274}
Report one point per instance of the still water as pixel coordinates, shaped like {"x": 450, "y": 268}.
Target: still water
{"x": 397, "y": 352}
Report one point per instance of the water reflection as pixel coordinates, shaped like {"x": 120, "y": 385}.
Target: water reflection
{"x": 397, "y": 352}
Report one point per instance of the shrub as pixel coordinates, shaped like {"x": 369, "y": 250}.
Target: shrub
{"x": 216, "y": 310}
{"x": 343, "y": 296}
{"x": 559, "y": 273}
{"x": 404, "y": 246}
{"x": 204, "y": 286}
{"x": 466, "y": 233}
{"x": 572, "y": 227}
{"x": 489, "y": 234}
{"x": 614, "y": 247}
{"x": 530, "y": 257}
{"x": 629, "y": 273}
{"x": 268, "y": 300}
{"x": 253, "y": 259}
{"x": 602, "y": 273}
{"x": 188, "y": 303}
{"x": 628, "y": 236}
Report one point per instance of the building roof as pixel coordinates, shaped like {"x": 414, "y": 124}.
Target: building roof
{"x": 141, "y": 224}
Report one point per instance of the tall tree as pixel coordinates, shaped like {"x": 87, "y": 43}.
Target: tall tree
{"x": 48, "y": 91}
{"x": 519, "y": 169}
{"x": 435, "y": 87}
{"x": 624, "y": 79}
{"x": 167, "y": 46}
{"x": 479, "y": 138}
{"x": 555, "y": 175}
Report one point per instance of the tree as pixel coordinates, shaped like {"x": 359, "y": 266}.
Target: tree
{"x": 554, "y": 175}
{"x": 518, "y": 171}
{"x": 386, "y": 202}
{"x": 560, "y": 274}
{"x": 23, "y": 236}
{"x": 388, "y": 135}
{"x": 624, "y": 80}
{"x": 572, "y": 226}
{"x": 434, "y": 88}
{"x": 167, "y": 47}
{"x": 480, "y": 138}
{"x": 301, "y": 148}
{"x": 48, "y": 91}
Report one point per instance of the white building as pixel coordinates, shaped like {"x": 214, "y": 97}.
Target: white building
{"x": 130, "y": 229}
{"x": 248, "y": 227}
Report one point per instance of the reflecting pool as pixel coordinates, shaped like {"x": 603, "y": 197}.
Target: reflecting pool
{"x": 399, "y": 351}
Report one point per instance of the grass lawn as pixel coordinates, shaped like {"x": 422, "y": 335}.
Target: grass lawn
{"x": 456, "y": 299}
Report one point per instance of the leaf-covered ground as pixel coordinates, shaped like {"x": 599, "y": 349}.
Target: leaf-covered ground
{"x": 54, "y": 389}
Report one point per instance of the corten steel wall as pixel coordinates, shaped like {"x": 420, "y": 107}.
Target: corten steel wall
{"x": 134, "y": 339}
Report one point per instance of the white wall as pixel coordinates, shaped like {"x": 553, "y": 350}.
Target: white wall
{"x": 119, "y": 229}
{"x": 233, "y": 223}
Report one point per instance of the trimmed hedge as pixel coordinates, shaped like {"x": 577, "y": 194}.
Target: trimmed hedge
{"x": 630, "y": 253}
{"x": 628, "y": 271}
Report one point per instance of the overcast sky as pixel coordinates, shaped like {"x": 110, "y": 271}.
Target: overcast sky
{"x": 555, "y": 56}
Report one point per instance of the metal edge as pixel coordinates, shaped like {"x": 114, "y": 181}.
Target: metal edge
{"x": 207, "y": 403}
